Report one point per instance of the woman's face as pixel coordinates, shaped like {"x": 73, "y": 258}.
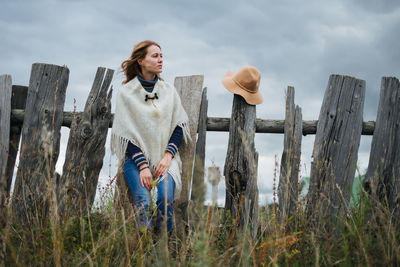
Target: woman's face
{"x": 152, "y": 62}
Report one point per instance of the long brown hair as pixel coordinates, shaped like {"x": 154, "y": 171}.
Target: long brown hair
{"x": 131, "y": 67}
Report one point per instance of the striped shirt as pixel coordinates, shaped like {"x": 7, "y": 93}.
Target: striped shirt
{"x": 135, "y": 153}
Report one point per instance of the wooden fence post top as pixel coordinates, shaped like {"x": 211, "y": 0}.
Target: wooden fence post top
{"x": 190, "y": 89}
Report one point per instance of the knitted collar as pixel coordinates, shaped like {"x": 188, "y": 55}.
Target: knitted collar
{"x": 148, "y": 85}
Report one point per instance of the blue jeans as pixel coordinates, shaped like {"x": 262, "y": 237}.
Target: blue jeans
{"x": 142, "y": 200}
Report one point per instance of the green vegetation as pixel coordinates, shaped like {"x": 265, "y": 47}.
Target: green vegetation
{"x": 355, "y": 191}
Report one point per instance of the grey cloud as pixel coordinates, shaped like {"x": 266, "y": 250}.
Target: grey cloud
{"x": 383, "y": 6}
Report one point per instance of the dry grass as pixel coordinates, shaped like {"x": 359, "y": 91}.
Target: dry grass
{"x": 107, "y": 236}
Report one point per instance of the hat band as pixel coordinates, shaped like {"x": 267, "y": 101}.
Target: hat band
{"x": 244, "y": 88}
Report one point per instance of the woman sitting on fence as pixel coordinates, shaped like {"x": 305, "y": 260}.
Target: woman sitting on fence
{"x": 148, "y": 126}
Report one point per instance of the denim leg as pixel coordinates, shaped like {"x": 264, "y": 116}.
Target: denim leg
{"x": 140, "y": 195}
{"x": 166, "y": 191}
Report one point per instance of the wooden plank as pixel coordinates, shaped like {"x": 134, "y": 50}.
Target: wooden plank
{"x": 240, "y": 168}
{"x": 336, "y": 148}
{"x": 190, "y": 90}
{"x": 35, "y": 181}
{"x": 18, "y": 101}
{"x": 86, "y": 149}
{"x": 198, "y": 188}
{"x": 215, "y": 124}
{"x": 5, "y": 111}
{"x": 290, "y": 162}
{"x": 383, "y": 175}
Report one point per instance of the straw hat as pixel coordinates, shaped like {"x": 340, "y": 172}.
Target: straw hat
{"x": 245, "y": 83}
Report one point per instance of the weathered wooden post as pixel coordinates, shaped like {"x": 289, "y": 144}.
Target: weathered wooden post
{"x": 5, "y": 111}
{"x": 198, "y": 188}
{"x": 336, "y": 148}
{"x": 290, "y": 162}
{"x": 36, "y": 180}
{"x": 240, "y": 169}
{"x": 18, "y": 101}
{"x": 190, "y": 90}
{"x": 383, "y": 176}
{"x": 86, "y": 148}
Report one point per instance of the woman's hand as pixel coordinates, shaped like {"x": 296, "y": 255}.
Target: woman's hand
{"x": 146, "y": 178}
{"x": 163, "y": 165}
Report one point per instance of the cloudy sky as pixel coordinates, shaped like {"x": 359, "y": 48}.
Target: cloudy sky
{"x": 296, "y": 43}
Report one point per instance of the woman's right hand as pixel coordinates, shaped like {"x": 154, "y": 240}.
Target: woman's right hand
{"x": 146, "y": 178}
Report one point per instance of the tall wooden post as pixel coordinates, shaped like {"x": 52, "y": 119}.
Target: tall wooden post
{"x": 336, "y": 148}
{"x": 36, "y": 180}
{"x": 240, "y": 168}
{"x": 198, "y": 188}
{"x": 383, "y": 175}
{"x": 289, "y": 173}
{"x": 190, "y": 90}
{"x": 86, "y": 149}
{"x": 18, "y": 101}
{"x": 5, "y": 111}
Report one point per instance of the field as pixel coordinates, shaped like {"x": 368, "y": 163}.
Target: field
{"x": 110, "y": 237}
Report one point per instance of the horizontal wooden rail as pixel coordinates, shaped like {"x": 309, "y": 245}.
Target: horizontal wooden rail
{"x": 214, "y": 124}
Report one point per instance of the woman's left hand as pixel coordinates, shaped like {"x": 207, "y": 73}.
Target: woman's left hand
{"x": 163, "y": 165}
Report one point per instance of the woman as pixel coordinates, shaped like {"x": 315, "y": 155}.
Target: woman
{"x": 148, "y": 127}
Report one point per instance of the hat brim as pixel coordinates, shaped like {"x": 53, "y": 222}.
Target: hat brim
{"x": 250, "y": 98}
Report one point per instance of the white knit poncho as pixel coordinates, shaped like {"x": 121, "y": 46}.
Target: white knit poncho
{"x": 149, "y": 124}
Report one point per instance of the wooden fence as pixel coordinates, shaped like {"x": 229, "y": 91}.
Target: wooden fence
{"x": 36, "y": 114}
